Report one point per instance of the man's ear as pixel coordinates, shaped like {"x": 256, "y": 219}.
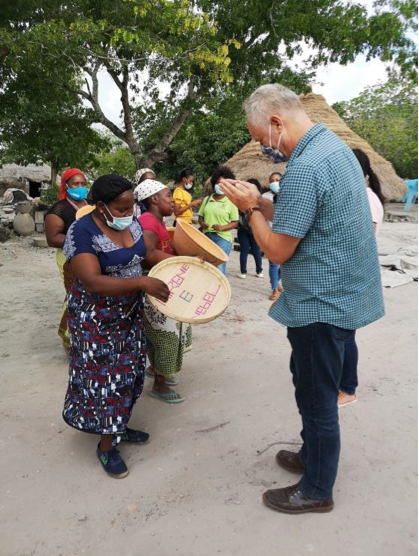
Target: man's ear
{"x": 277, "y": 122}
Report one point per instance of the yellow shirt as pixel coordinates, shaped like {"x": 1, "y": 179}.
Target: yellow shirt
{"x": 183, "y": 199}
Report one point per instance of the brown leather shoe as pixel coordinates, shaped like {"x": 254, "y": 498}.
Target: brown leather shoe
{"x": 290, "y": 500}
{"x": 290, "y": 461}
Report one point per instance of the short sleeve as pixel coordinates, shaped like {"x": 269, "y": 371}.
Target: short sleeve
{"x": 377, "y": 211}
{"x": 149, "y": 222}
{"x": 65, "y": 212}
{"x": 204, "y": 203}
{"x": 78, "y": 240}
{"x": 234, "y": 213}
{"x": 297, "y": 202}
{"x": 178, "y": 195}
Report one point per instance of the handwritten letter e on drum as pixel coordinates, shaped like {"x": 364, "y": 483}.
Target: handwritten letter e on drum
{"x": 177, "y": 280}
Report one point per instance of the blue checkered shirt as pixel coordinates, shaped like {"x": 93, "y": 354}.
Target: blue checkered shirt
{"x": 334, "y": 274}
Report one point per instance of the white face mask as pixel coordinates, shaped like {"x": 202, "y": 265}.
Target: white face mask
{"x": 120, "y": 223}
{"x": 188, "y": 186}
{"x": 217, "y": 189}
{"x": 274, "y": 187}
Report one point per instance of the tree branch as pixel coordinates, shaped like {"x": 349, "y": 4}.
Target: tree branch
{"x": 93, "y": 98}
{"x": 159, "y": 151}
{"x": 114, "y": 75}
{"x": 126, "y": 107}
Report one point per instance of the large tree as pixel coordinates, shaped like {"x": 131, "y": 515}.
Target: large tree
{"x": 386, "y": 115}
{"x": 37, "y": 125}
{"x": 194, "y": 50}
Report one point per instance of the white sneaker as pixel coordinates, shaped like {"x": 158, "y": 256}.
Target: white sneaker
{"x": 260, "y": 275}
{"x": 242, "y": 276}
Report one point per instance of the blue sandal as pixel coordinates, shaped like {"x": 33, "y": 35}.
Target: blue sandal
{"x": 172, "y": 397}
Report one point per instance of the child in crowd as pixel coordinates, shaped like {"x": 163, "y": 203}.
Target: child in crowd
{"x": 248, "y": 243}
{"x": 274, "y": 269}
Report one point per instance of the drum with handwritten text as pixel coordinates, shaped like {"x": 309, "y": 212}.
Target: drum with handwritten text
{"x": 198, "y": 291}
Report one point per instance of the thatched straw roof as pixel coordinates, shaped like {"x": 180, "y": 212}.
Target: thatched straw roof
{"x": 249, "y": 162}
{"x": 14, "y": 173}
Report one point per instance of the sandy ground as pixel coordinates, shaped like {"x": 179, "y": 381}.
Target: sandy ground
{"x": 195, "y": 489}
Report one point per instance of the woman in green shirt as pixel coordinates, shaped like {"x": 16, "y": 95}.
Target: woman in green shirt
{"x": 218, "y": 216}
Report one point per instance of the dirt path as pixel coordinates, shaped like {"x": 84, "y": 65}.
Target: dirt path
{"x": 195, "y": 489}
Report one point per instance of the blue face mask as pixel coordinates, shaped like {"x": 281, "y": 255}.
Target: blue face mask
{"x": 217, "y": 189}
{"x": 274, "y": 154}
{"x": 118, "y": 223}
{"x": 274, "y": 187}
{"x": 77, "y": 193}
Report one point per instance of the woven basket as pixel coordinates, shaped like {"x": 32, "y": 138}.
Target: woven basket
{"x": 171, "y": 231}
{"x": 198, "y": 292}
{"x": 193, "y": 243}
{"x": 85, "y": 210}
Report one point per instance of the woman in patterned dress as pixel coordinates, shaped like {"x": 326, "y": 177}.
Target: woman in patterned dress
{"x": 105, "y": 317}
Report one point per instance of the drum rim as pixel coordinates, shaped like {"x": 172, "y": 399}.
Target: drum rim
{"x": 196, "y": 262}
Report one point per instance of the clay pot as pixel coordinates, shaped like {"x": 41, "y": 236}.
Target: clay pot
{"x": 24, "y": 224}
{"x": 23, "y": 208}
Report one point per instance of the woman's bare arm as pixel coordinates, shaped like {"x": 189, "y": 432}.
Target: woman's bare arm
{"x": 54, "y": 230}
{"x": 87, "y": 269}
{"x": 154, "y": 255}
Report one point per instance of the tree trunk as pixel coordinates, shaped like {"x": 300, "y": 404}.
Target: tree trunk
{"x": 54, "y": 173}
{"x": 159, "y": 152}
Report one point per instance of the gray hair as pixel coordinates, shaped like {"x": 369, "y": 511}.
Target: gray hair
{"x": 268, "y": 100}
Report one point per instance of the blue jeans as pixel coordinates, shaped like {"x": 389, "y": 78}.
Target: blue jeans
{"x": 247, "y": 244}
{"x": 224, "y": 245}
{"x": 349, "y": 380}
{"x": 274, "y": 275}
{"x": 318, "y": 352}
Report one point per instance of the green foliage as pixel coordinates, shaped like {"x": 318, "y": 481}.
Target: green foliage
{"x": 114, "y": 159}
{"x": 396, "y": 15}
{"x": 199, "y": 51}
{"x": 386, "y": 116}
{"x": 50, "y": 196}
{"x": 38, "y": 123}
{"x": 213, "y": 135}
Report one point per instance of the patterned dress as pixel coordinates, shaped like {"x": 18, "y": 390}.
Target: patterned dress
{"x": 107, "y": 348}
{"x": 167, "y": 339}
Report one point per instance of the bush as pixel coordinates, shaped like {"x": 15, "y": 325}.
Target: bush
{"x": 50, "y": 196}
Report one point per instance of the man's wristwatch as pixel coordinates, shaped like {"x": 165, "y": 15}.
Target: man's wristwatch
{"x": 249, "y": 212}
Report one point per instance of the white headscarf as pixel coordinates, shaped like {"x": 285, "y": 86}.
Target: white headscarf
{"x": 148, "y": 188}
{"x": 140, "y": 173}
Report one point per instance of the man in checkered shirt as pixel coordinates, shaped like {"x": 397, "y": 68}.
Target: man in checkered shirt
{"x": 323, "y": 238}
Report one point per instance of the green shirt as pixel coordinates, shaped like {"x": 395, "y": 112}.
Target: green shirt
{"x": 218, "y": 212}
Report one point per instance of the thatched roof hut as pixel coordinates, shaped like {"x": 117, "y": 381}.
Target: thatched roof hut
{"x": 24, "y": 177}
{"x": 249, "y": 162}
